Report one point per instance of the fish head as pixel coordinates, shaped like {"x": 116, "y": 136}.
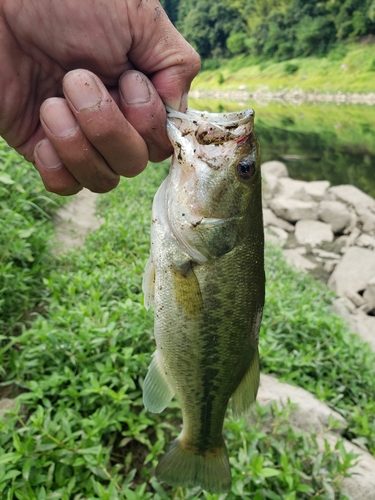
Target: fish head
{"x": 215, "y": 179}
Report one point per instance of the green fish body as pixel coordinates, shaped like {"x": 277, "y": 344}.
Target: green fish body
{"x": 205, "y": 278}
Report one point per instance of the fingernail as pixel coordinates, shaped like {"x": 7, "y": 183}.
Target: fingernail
{"x": 47, "y": 155}
{"x": 81, "y": 90}
{"x": 135, "y": 90}
{"x": 58, "y": 118}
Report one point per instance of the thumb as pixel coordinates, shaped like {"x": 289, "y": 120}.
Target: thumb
{"x": 162, "y": 53}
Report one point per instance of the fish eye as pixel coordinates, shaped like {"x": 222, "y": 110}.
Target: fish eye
{"x": 246, "y": 168}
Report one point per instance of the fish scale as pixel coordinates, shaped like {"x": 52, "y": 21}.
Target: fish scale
{"x": 205, "y": 278}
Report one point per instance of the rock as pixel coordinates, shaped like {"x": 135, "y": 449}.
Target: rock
{"x": 366, "y": 219}
{"x": 360, "y": 485}
{"x": 355, "y": 298}
{"x": 365, "y": 240}
{"x": 270, "y": 219}
{"x": 6, "y": 404}
{"x": 353, "y": 271}
{"x": 336, "y": 214}
{"x": 352, "y": 237}
{"x": 293, "y": 210}
{"x": 275, "y": 169}
{"x": 310, "y": 413}
{"x": 369, "y": 295}
{"x": 353, "y": 196}
{"x": 364, "y": 325}
{"x": 343, "y": 307}
{"x": 316, "y": 190}
{"x": 324, "y": 254}
{"x": 313, "y": 232}
{"x": 290, "y": 188}
{"x": 330, "y": 265}
{"x": 294, "y": 257}
{"x": 281, "y": 234}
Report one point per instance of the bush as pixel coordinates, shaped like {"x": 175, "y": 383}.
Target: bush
{"x": 291, "y": 68}
{"x": 236, "y": 43}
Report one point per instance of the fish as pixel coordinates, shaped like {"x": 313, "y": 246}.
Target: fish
{"x": 205, "y": 279}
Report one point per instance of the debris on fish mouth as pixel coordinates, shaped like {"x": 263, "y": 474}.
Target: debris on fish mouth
{"x": 205, "y": 279}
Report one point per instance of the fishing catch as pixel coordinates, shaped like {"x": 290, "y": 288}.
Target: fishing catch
{"x": 205, "y": 278}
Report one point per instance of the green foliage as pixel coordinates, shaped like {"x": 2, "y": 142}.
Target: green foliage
{"x": 25, "y": 210}
{"x": 236, "y": 43}
{"x": 291, "y": 68}
{"x": 207, "y": 25}
{"x": 79, "y": 429}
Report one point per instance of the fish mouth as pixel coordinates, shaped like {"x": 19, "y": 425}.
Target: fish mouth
{"x": 199, "y": 136}
{"x": 213, "y": 128}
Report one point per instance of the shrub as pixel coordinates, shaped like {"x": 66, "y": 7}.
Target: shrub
{"x": 291, "y": 68}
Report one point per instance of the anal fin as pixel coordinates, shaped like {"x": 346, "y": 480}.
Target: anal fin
{"x": 246, "y": 392}
{"x": 157, "y": 390}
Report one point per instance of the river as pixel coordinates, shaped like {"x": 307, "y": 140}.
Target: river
{"x": 334, "y": 142}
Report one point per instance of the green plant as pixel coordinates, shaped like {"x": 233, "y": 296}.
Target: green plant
{"x": 290, "y": 68}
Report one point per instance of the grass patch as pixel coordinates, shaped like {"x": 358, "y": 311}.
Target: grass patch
{"x": 25, "y": 214}
{"x": 79, "y": 429}
{"x": 345, "y": 68}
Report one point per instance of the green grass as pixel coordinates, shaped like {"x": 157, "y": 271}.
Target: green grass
{"x": 25, "y": 210}
{"x": 350, "y": 70}
{"x": 80, "y": 430}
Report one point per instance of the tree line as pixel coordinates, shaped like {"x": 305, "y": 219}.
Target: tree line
{"x": 278, "y": 29}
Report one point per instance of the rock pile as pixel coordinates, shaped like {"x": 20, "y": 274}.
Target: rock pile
{"x": 328, "y": 231}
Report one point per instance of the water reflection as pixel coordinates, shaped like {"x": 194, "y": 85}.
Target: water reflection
{"x": 316, "y": 141}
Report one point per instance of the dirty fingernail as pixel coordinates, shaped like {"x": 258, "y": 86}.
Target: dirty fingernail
{"x": 81, "y": 90}
{"x": 47, "y": 155}
{"x": 58, "y": 117}
{"x": 134, "y": 89}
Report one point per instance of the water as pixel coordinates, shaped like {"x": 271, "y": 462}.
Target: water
{"x": 316, "y": 141}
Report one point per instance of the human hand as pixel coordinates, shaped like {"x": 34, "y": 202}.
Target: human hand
{"x": 74, "y": 96}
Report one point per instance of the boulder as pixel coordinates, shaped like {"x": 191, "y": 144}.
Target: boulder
{"x": 313, "y": 232}
{"x": 369, "y": 295}
{"x": 275, "y": 169}
{"x": 365, "y": 240}
{"x": 316, "y": 190}
{"x": 364, "y": 325}
{"x": 336, "y": 214}
{"x": 367, "y": 219}
{"x": 293, "y": 210}
{"x": 294, "y": 256}
{"x": 353, "y": 196}
{"x": 310, "y": 413}
{"x": 270, "y": 219}
{"x": 360, "y": 485}
{"x": 290, "y": 188}
{"x": 353, "y": 271}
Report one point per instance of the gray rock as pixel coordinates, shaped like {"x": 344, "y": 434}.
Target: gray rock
{"x": 275, "y": 169}
{"x": 310, "y": 414}
{"x": 313, "y": 232}
{"x": 361, "y": 483}
{"x": 366, "y": 219}
{"x": 316, "y": 190}
{"x": 343, "y": 307}
{"x": 353, "y": 271}
{"x": 270, "y": 219}
{"x": 325, "y": 255}
{"x": 6, "y": 404}
{"x": 293, "y": 210}
{"x": 330, "y": 265}
{"x": 291, "y": 188}
{"x": 364, "y": 325}
{"x": 279, "y": 232}
{"x": 353, "y": 196}
{"x": 365, "y": 240}
{"x": 294, "y": 256}
{"x": 336, "y": 214}
{"x": 369, "y": 295}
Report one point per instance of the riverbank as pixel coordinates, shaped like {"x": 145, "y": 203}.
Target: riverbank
{"x": 294, "y": 96}
{"x": 341, "y": 76}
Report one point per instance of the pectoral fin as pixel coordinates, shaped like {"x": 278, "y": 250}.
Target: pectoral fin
{"x": 148, "y": 283}
{"x": 157, "y": 390}
{"x": 246, "y": 392}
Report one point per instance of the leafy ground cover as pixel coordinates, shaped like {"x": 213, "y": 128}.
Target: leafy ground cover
{"x": 349, "y": 71}
{"x": 79, "y": 429}
{"x": 24, "y": 236}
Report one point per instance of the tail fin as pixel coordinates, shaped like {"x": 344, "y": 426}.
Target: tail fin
{"x": 186, "y": 467}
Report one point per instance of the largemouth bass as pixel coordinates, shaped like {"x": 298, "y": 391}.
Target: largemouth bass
{"x": 206, "y": 280}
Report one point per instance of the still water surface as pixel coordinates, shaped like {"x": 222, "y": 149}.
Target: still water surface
{"x": 316, "y": 141}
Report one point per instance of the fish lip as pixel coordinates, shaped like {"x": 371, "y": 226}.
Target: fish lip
{"x": 228, "y": 120}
